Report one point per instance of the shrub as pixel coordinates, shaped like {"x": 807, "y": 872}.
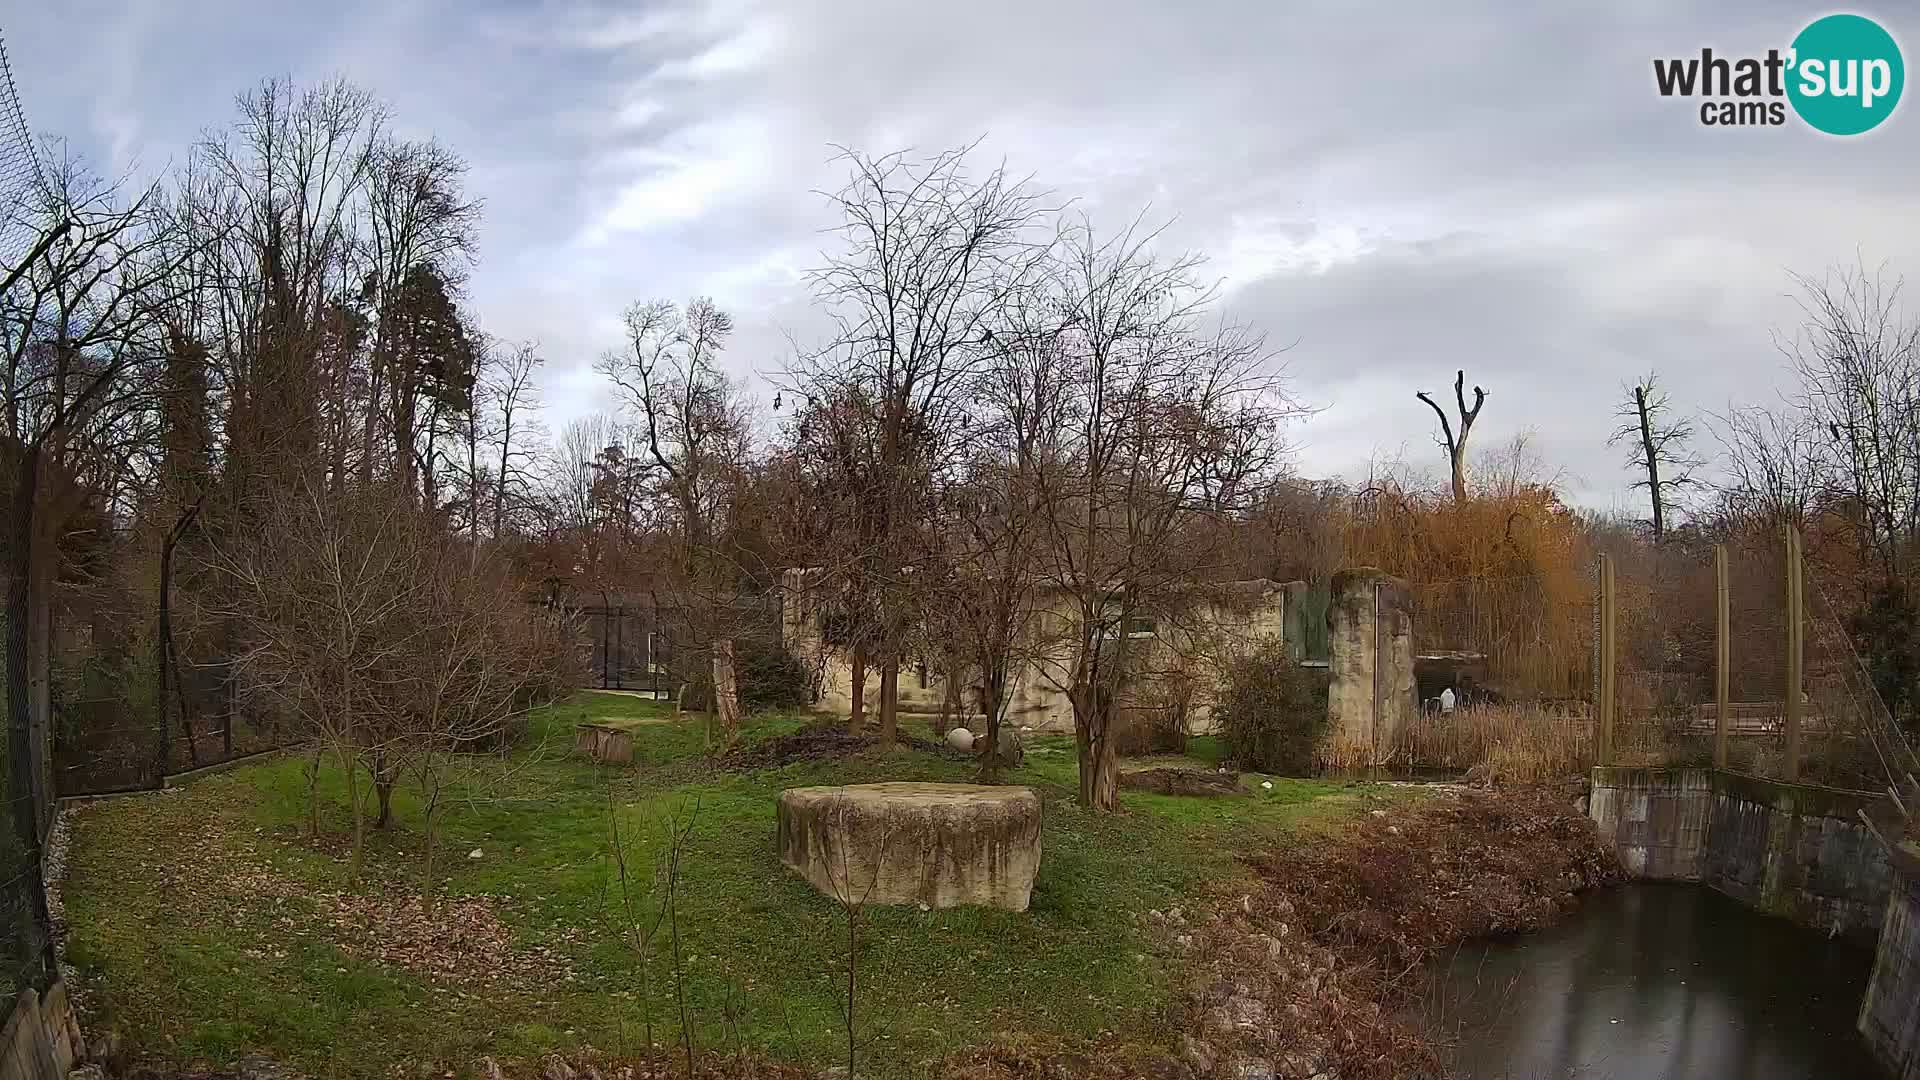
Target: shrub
{"x": 1272, "y": 712}
{"x": 767, "y": 674}
{"x": 771, "y": 676}
{"x": 1157, "y": 722}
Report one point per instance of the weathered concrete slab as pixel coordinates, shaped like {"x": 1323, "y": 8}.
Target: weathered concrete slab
{"x": 1656, "y": 819}
{"x": 1795, "y": 850}
{"x": 1370, "y": 694}
{"x": 942, "y": 845}
{"x": 1890, "y": 1012}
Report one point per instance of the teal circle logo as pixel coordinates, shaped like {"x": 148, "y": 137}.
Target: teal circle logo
{"x": 1845, "y": 74}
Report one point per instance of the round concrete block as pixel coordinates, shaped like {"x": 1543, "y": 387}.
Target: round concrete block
{"x": 941, "y": 845}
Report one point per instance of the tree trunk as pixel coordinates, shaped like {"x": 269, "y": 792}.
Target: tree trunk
{"x": 311, "y": 770}
{"x": 1653, "y": 463}
{"x": 857, "y": 710}
{"x": 1099, "y": 766}
{"x": 359, "y": 814}
{"x": 889, "y": 700}
{"x": 428, "y": 891}
{"x": 726, "y": 692}
{"x": 169, "y": 658}
{"x": 1458, "y": 461}
{"x": 383, "y": 778}
{"x": 949, "y": 705}
{"x": 990, "y": 692}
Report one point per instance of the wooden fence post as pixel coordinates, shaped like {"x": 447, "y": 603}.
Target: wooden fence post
{"x": 1795, "y": 659}
{"x": 1723, "y": 653}
{"x": 1604, "y": 696}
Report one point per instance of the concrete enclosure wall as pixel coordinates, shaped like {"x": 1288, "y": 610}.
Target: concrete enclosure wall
{"x": 1184, "y": 644}
{"x": 1656, "y": 819}
{"x": 1890, "y": 1013}
{"x": 1795, "y": 850}
{"x": 1370, "y": 693}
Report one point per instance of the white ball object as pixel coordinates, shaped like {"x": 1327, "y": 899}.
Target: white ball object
{"x": 960, "y": 739}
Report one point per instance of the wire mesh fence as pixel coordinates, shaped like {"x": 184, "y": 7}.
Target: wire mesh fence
{"x": 26, "y": 937}
{"x": 22, "y": 181}
{"x": 1512, "y": 677}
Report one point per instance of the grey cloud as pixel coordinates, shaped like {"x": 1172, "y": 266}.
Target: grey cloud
{"x": 1401, "y": 189}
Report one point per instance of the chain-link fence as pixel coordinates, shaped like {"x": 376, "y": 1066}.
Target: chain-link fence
{"x": 26, "y": 937}
{"x": 1709, "y": 632}
{"x": 1513, "y": 674}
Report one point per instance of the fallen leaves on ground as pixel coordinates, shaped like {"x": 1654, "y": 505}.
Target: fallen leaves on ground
{"x": 458, "y": 940}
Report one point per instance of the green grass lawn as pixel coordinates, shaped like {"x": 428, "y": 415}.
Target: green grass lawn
{"x": 205, "y": 925}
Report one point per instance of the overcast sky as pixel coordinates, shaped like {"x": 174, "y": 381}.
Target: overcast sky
{"x": 1392, "y": 190}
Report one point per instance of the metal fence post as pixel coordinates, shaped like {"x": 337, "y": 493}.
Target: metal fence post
{"x": 1723, "y": 653}
{"x": 1795, "y": 642}
{"x": 1605, "y": 691}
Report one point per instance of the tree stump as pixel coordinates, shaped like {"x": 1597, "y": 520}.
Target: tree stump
{"x": 941, "y": 845}
{"x": 604, "y": 743}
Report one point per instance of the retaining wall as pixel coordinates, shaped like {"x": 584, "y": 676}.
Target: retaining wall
{"x": 1795, "y": 850}
{"x": 1890, "y": 1013}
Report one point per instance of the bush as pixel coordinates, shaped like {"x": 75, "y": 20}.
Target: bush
{"x": 769, "y": 677}
{"x": 1272, "y": 712}
{"x": 1157, "y": 722}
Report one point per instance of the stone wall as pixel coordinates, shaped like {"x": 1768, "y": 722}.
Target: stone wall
{"x": 1801, "y": 851}
{"x": 1656, "y": 819}
{"x": 42, "y": 1039}
{"x": 1890, "y": 1012}
{"x": 1189, "y": 641}
{"x": 1370, "y": 694}
{"x": 1795, "y": 850}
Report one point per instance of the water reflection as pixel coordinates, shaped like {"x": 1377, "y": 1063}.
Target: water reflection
{"x": 1656, "y": 981}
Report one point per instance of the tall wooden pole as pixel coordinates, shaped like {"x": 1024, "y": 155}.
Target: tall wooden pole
{"x": 1795, "y": 643}
{"x": 1723, "y": 654}
{"x": 1604, "y": 703}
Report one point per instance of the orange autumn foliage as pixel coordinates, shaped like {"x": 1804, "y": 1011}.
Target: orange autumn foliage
{"x": 1507, "y": 574}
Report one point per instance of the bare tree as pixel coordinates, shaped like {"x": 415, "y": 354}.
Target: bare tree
{"x": 1772, "y": 459}
{"x": 695, "y": 436}
{"x": 476, "y": 652}
{"x": 326, "y": 605}
{"x": 82, "y": 339}
{"x": 510, "y": 392}
{"x": 498, "y": 432}
{"x": 1857, "y": 355}
{"x": 929, "y": 254}
{"x": 1455, "y": 444}
{"x": 1151, "y": 428}
{"x": 982, "y": 606}
{"x": 1659, "y": 448}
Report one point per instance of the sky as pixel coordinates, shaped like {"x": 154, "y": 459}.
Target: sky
{"x": 1390, "y": 191}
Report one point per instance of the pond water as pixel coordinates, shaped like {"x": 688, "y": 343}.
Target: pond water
{"x": 1655, "y": 982}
